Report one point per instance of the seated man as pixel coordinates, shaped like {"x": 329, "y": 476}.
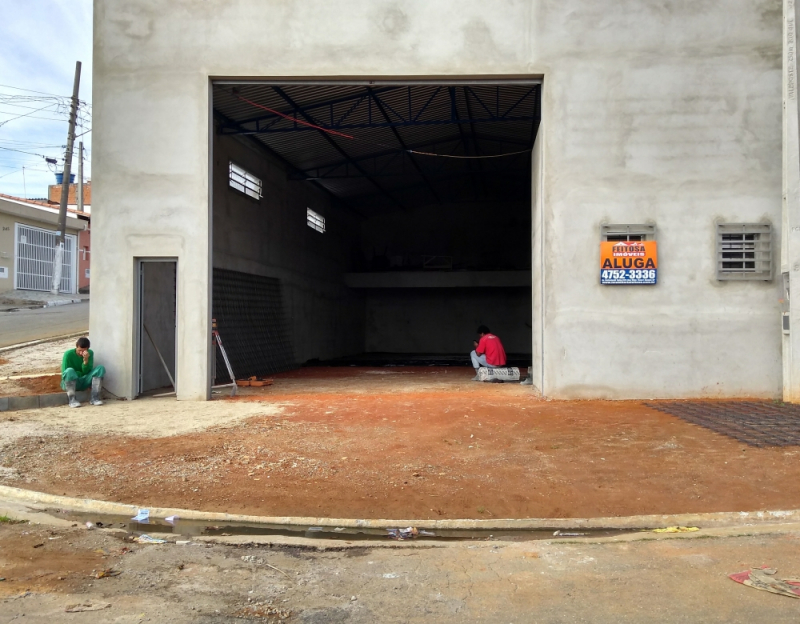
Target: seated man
{"x": 488, "y": 352}
{"x": 78, "y": 372}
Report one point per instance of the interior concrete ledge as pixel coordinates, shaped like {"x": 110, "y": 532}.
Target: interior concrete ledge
{"x": 701, "y": 520}
{"x": 439, "y": 279}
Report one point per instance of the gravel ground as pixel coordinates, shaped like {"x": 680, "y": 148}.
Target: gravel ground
{"x": 48, "y": 569}
{"x": 34, "y": 359}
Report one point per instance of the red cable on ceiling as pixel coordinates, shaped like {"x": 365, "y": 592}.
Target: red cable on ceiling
{"x": 294, "y": 119}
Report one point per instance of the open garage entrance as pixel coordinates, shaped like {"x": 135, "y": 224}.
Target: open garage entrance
{"x": 372, "y": 222}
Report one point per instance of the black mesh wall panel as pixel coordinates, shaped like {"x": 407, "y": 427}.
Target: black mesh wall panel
{"x": 252, "y": 325}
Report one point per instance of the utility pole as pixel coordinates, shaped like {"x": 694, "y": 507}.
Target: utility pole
{"x": 80, "y": 176}
{"x": 62, "y": 212}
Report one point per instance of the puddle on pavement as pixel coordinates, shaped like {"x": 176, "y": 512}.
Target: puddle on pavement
{"x": 195, "y": 528}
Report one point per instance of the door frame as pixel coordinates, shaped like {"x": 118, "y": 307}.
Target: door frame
{"x": 138, "y": 333}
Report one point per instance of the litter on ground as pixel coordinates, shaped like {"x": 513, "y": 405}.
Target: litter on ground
{"x": 765, "y": 579}
{"x": 408, "y": 533}
{"x": 143, "y": 517}
{"x": 146, "y": 539}
{"x": 87, "y": 606}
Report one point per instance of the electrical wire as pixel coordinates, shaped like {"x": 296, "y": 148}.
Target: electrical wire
{"x": 294, "y": 119}
{"x": 525, "y": 151}
{"x": 5, "y": 121}
{"x": 23, "y": 152}
{"x": 32, "y": 91}
{"x": 347, "y": 136}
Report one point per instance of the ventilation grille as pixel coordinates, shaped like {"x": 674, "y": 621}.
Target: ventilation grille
{"x": 744, "y": 251}
{"x": 244, "y": 181}
{"x": 252, "y": 325}
{"x": 315, "y": 220}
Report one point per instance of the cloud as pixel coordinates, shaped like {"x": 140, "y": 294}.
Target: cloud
{"x": 40, "y": 40}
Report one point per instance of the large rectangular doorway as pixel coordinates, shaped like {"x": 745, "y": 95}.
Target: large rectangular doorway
{"x": 394, "y": 217}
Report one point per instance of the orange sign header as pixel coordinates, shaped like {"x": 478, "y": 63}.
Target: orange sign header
{"x": 629, "y": 255}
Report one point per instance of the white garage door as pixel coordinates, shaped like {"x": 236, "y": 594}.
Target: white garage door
{"x": 35, "y": 249}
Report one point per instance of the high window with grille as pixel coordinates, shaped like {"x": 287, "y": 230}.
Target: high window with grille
{"x": 315, "y": 221}
{"x": 744, "y": 251}
{"x": 624, "y": 232}
{"x": 244, "y": 181}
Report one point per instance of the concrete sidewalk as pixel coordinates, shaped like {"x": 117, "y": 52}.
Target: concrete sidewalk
{"x": 36, "y": 298}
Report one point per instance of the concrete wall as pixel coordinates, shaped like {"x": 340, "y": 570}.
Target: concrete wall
{"x": 270, "y": 237}
{"x": 443, "y": 320}
{"x": 536, "y": 371}
{"x": 664, "y": 112}
{"x": 478, "y": 237}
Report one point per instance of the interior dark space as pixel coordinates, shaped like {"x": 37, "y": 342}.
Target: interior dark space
{"x": 371, "y": 223}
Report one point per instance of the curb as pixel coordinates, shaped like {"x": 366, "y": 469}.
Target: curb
{"x": 36, "y": 401}
{"x": 702, "y": 520}
{"x": 42, "y": 340}
{"x": 61, "y": 302}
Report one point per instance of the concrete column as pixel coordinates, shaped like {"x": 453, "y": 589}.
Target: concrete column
{"x": 790, "y": 230}
{"x": 538, "y": 269}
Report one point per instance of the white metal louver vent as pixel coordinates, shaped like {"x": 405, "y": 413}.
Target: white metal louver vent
{"x": 244, "y": 181}
{"x": 744, "y": 251}
{"x": 315, "y": 221}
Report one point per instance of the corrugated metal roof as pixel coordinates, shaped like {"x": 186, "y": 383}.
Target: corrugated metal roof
{"x": 370, "y": 168}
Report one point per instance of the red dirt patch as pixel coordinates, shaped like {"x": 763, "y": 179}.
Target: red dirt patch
{"x": 422, "y": 443}
{"x": 29, "y": 386}
{"x": 46, "y": 384}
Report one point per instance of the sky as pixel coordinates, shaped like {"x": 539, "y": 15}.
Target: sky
{"x": 40, "y": 41}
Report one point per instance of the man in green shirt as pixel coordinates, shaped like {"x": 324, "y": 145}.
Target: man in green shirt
{"x": 78, "y": 372}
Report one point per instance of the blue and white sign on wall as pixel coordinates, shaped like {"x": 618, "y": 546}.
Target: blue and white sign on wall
{"x": 628, "y": 262}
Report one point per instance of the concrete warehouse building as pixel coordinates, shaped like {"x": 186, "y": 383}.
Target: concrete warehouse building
{"x": 335, "y": 179}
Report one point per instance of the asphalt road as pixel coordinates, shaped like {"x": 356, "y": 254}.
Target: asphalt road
{"x": 24, "y": 325}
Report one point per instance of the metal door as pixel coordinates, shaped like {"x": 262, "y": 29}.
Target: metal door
{"x": 34, "y": 252}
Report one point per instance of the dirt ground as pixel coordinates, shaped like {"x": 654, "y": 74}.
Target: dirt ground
{"x": 49, "y": 569}
{"x": 393, "y": 443}
{"x": 28, "y": 386}
{"x": 42, "y": 360}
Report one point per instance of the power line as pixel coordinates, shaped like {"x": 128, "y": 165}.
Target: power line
{"x": 32, "y": 91}
{"x": 23, "y": 152}
{"x": 5, "y": 121}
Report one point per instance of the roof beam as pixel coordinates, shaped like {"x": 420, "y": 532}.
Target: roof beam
{"x": 402, "y": 143}
{"x": 374, "y": 156}
{"x": 271, "y": 129}
{"x": 310, "y": 107}
{"x": 336, "y": 146}
{"x": 476, "y": 150}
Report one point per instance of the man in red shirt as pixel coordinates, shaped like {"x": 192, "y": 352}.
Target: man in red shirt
{"x": 488, "y": 351}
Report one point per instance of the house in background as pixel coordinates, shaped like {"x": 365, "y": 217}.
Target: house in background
{"x": 27, "y": 240}
{"x": 84, "y": 238}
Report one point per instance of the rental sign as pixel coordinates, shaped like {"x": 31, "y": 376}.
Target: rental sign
{"x": 628, "y": 262}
